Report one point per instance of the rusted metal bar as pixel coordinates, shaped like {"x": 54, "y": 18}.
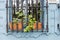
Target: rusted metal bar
{"x": 37, "y": 14}
{"x": 12, "y": 15}
{"x": 27, "y": 10}
{"x": 14, "y": 7}
{"x": 21, "y": 4}
{"x": 7, "y": 16}
{"x": 32, "y": 10}
{"x": 25, "y": 6}
{"x": 42, "y": 9}
{"x": 17, "y": 4}
{"x": 22, "y": 18}
{"x": 47, "y": 15}
{"x": 29, "y": 7}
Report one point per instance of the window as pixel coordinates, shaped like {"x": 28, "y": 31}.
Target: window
{"x": 26, "y": 18}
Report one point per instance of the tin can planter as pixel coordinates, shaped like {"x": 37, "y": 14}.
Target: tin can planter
{"x": 39, "y": 26}
{"x": 19, "y": 26}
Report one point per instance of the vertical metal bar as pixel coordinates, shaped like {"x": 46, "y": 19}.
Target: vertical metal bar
{"x": 42, "y": 15}
{"x": 27, "y": 10}
{"x": 17, "y": 28}
{"x": 7, "y": 16}
{"x": 14, "y": 6}
{"x": 32, "y": 10}
{"x": 37, "y": 13}
{"x": 14, "y": 9}
{"x": 12, "y": 15}
{"x": 17, "y": 4}
{"x": 17, "y": 8}
{"x": 22, "y": 4}
{"x": 22, "y": 18}
{"x": 29, "y": 6}
{"x": 42, "y": 8}
{"x": 47, "y": 15}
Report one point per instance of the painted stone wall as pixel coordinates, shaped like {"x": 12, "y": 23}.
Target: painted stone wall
{"x": 2, "y": 15}
{"x": 54, "y": 14}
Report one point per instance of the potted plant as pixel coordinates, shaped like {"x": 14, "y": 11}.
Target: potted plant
{"x": 17, "y": 21}
{"x": 20, "y": 16}
{"x": 32, "y": 24}
{"x": 13, "y": 24}
{"x": 39, "y": 15}
{"x": 39, "y": 26}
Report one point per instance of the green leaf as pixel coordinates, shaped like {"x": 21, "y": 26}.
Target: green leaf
{"x": 17, "y": 12}
{"x": 25, "y": 30}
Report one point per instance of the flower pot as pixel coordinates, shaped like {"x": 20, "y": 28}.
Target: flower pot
{"x": 39, "y": 26}
{"x": 19, "y": 26}
{"x": 10, "y": 26}
{"x": 13, "y": 26}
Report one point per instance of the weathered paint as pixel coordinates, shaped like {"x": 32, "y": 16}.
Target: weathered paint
{"x": 54, "y": 14}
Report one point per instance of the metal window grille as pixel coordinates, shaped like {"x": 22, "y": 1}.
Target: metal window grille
{"x": 31, "y": 7}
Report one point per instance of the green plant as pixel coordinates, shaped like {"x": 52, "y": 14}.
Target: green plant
{"x": 34, "y": 11}
{"x": 15, "y": 20}
{"x": 20, "y": 14}
{"x": 30, "y": 24}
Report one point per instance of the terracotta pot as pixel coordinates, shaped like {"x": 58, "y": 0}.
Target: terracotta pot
{"x": 19, "y": 26}
{"x": 10, "y": 26}
{"x": 39, "y": 26}
{"x": 14, "y": 26}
